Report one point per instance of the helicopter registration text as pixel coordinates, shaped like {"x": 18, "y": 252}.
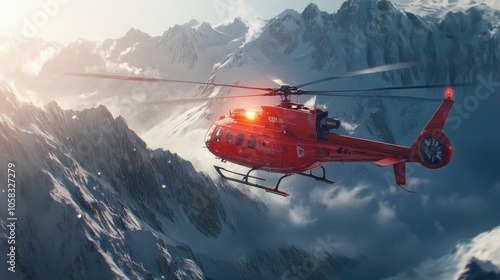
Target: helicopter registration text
{"x": 275, "y": 120}
{"x": 347, "y": 151}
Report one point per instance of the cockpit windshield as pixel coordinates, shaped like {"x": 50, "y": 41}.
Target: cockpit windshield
{"x": 208, "y": 136}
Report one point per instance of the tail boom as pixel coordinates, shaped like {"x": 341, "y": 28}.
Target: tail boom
{"x": 431, "y": 148}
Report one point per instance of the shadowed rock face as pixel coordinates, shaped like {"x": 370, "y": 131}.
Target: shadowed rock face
{"x": 86, "y": 182}
{"x": 473, "y": 271}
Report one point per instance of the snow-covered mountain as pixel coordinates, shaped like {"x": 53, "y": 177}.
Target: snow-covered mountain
{"x": 456, "y": 45}
{"x": 300, "y": 47}
{"x": 94, "y": 202}
{"x": 435, "y": 10}
{"x": 478, "y": 258}
{"x": 452, "y": 41}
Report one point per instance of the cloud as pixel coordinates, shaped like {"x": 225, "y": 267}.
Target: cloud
{"x": 33, "y": 66}
{"x": 424, "y": 199}
{"x": 349, "y": 127}
{"x": 415, "y": 181}
{"x": 5, "y": 47}
{"x": 496, "y": 189}
{"x": 341, "y": 197}
{"x": 301, "y": 216}
{"x": 439, "y": 227}
{"x": 385, "y": 212}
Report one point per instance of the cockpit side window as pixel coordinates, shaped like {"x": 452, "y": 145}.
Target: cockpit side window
{"x": 240, "y": 138}
{"x": 252, "y": 142}
{"x": 218, "y": 134}
{"x": 229, "y": 136}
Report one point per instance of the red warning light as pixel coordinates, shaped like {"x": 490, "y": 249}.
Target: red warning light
{"x": 251, "y": 115}
{"x": 449, "y": 93}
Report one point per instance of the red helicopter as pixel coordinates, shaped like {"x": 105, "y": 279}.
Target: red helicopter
{"x": 291, "y": 138}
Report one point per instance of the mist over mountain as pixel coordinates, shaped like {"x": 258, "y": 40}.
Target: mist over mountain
{"x": 149, "y": 212}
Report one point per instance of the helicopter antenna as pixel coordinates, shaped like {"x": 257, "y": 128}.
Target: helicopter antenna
{"x": 407, "y": 190}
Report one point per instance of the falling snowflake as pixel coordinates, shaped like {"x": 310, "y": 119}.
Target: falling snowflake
{"x": 135, "y": 149}
{"x": 79, "y": 216}
{"x": 74, "y": 117}
{"x": 99, "y": 173}
{"x": 164, "y": 186}
{"x": 169, "y": 161}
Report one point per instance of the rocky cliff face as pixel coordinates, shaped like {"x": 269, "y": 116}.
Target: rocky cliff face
{"x": 93, "y": 201}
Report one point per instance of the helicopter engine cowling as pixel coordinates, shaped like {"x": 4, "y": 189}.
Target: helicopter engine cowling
{"x": 328, "y": 123}
{"x": 432, "y": 150}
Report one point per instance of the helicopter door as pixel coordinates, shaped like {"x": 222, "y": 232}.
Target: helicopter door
{"x": 269, "y": 151}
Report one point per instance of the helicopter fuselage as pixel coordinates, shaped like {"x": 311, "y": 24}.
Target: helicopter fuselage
{"x": 293, "y": 138}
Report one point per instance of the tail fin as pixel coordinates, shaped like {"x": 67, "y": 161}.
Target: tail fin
{"x": 432, "y": 148}
{"x": 439, "y": 118}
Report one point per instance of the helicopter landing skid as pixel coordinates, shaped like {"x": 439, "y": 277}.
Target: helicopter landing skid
{"x": 318, "y": 178}
{"x": 245, "y": 180}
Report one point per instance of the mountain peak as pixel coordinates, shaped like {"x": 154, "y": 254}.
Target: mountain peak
{"x": 204, "y": 27}
{"x": 191, "y": 23}
{"x": 233, "y": 21}
{"x": 136, "y": 33}
{"x": 312, "y": 7}
{"x": 238, "y": 20}
{"x": 370, "y": 4}
{"x": 236, "y": 27}
{"x": 53, "y": 106}
{"x": 287, "y": 13}
{"x": 312, "y": 13}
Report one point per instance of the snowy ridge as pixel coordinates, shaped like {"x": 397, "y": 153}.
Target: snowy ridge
{"x": 435, "y": 10}
{"x": 478, "y": 258}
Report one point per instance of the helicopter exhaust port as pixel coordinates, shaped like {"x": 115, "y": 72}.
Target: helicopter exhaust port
{"x": 328, "y": 123}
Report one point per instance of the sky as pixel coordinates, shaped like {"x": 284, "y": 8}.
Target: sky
{"x": 64, "y": 21}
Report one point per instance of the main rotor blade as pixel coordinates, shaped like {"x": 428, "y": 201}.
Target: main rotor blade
{"x": 323, "y": 92}
{"x": 372, "y": 70}
{"x": 383, "y": 96}
{"x": 201, "y": 99}
{"x": 156, "y": 80}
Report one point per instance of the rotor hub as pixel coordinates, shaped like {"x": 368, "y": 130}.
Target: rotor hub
{"x": 285, "y": 91}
